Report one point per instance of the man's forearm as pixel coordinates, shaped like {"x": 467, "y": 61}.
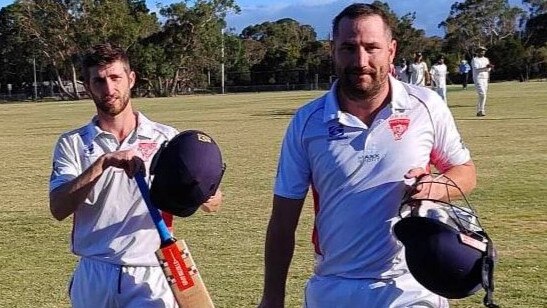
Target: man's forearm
{"x": 279, "y": 251}
{"x": 64, "y": 200}
{"x": 464, "y": 176}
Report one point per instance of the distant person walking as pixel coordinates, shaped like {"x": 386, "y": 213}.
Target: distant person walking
{"x": 438, "y": 77}
{"x": 464, "y": 70}
{"x": 401, "y": 71}
{"x": 419, "y": 75}
{"x": 481, "y": 75}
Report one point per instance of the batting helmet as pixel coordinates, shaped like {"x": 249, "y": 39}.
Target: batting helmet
{"x": 187, "y": 172}
{"x": 447, "y": 251}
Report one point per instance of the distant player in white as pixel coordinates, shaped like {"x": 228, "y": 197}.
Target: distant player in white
{"x": 481, "y": 75}
{"x": 419, "y": 74}
{"x": 401, "y": 71}
{"x": 438, "y": 78}
{"x": 354, "y": 147}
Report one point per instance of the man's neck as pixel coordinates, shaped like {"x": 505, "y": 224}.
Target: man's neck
{"x": 120, "y": 125}
{"x": 365, "y": 109}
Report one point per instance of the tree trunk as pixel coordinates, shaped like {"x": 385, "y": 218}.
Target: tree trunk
{"x": 62, "y": 86}
{"x": 74, "y": 82}
{"x": 174, "y": 83}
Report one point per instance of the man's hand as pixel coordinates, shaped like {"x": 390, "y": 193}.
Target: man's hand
{"x": 128, "y": 160}
{"x": 213, "y": 204}
{"x": 424, "y": 188}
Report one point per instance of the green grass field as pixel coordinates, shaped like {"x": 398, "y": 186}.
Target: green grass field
{"x": 509, "y": 147}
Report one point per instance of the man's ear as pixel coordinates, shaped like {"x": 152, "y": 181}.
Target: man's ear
{"x": 132, "y": 78}
{"x": 392, "y": 50}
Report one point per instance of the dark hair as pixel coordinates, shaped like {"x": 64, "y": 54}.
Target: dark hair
{"x": 357, "y": 10}
{"x": 102, "y": 55}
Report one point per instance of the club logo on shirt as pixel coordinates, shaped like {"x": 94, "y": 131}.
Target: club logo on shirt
{"x": 336, "y": 132}
{"x": 399, "y": 126}
{"x": 146, "y": 149}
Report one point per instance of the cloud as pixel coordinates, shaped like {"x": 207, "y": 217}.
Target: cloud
{"x": 319, "y": 13}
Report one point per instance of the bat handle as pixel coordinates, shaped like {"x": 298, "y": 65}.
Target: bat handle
{"x": 165, "y": 235}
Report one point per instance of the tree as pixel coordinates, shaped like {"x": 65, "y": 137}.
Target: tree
{"x": 474, "y": 23}
{"x": 536, "y": 7}
{"x": 534, "y": 38}
{"x": 284, "y": 41}
{"x": 188, "y": 44}
{"x": 240, "y": 56}
{"x": 15, "y": 54}
{"x": 48, "y": 25}
{"x": 61, "y": 29}
{"x": 409, "y": 39}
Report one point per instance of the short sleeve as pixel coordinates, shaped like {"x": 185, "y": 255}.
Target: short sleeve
{"x": 65, "y": 167}
{"x": 293, "y": 171}
{"x": 449, "y": 149}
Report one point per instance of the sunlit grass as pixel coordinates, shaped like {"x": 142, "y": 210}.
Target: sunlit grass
{"x": 508, "y": 146}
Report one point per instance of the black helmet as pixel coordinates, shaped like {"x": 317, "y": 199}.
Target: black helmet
{"x": 446, "y": 249}
{"x": 187, "y": 172}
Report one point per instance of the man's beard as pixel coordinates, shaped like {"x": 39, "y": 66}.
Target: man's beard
{"x": 111, "y": 109}
{"x": 351, "y": 85}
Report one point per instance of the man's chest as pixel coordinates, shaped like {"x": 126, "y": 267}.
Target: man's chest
{"x": 340, "y": 154}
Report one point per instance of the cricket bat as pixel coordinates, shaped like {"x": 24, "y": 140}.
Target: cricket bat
{"x": 176, "y": 261}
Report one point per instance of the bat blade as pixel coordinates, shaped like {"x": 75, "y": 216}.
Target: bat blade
{"x": 176, "y": 261}
{"x": 183, "y": 276}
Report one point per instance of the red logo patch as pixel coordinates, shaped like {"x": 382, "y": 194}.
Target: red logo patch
{"x": 147, "y": 149}
{"x": 399, "y": 126}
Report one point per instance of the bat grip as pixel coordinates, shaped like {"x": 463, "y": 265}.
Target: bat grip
{"x": 165, "y": 235}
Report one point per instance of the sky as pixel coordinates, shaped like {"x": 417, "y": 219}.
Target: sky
{"x": 319, "y": 13}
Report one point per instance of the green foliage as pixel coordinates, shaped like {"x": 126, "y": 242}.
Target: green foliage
{"x": 282, "y": 39}
{"x": 475, "y": 23}
{"x": 15, "y": 53}
{"x": 60, "y": 30}
{"x": 185, "y": 50}
{"x": 190, "y": 40}
{"x": 536, "y": 7}
{"x": 126, "y": 22}
{"x": 536, "y": 30}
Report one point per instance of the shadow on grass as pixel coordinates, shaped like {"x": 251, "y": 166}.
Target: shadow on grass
{"x": 459, "y": 106}
{"x": 499, "y": 118}
{"x": 277, "y": 112}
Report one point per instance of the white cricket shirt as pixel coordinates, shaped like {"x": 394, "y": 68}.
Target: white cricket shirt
{"x": 417, "y": 73}
{"x": 113, "y": 225}
{"x": 480, "y": 71}
{"x": 356, "y": 173}
{"x": 438, "y": 75}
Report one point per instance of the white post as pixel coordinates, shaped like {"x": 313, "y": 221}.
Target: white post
{"x": 222, "y": 61}
{"x": 35, "y": 83}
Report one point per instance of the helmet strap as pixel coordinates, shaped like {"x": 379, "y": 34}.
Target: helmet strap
{"x": 488, "y": 262}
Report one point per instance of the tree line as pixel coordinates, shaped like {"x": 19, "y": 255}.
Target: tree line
{"x": 181, "y": 46}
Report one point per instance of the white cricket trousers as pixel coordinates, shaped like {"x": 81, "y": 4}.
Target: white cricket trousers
{"x": 401, "y": 292}
{"x": 442, "y": 92}
{"x": 481, "y": 85}
{"x": 97, "y": 284}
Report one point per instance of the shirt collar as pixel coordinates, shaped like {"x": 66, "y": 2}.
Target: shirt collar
{"x": 399, "y": 100}
{"x": 145, "y": 128}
